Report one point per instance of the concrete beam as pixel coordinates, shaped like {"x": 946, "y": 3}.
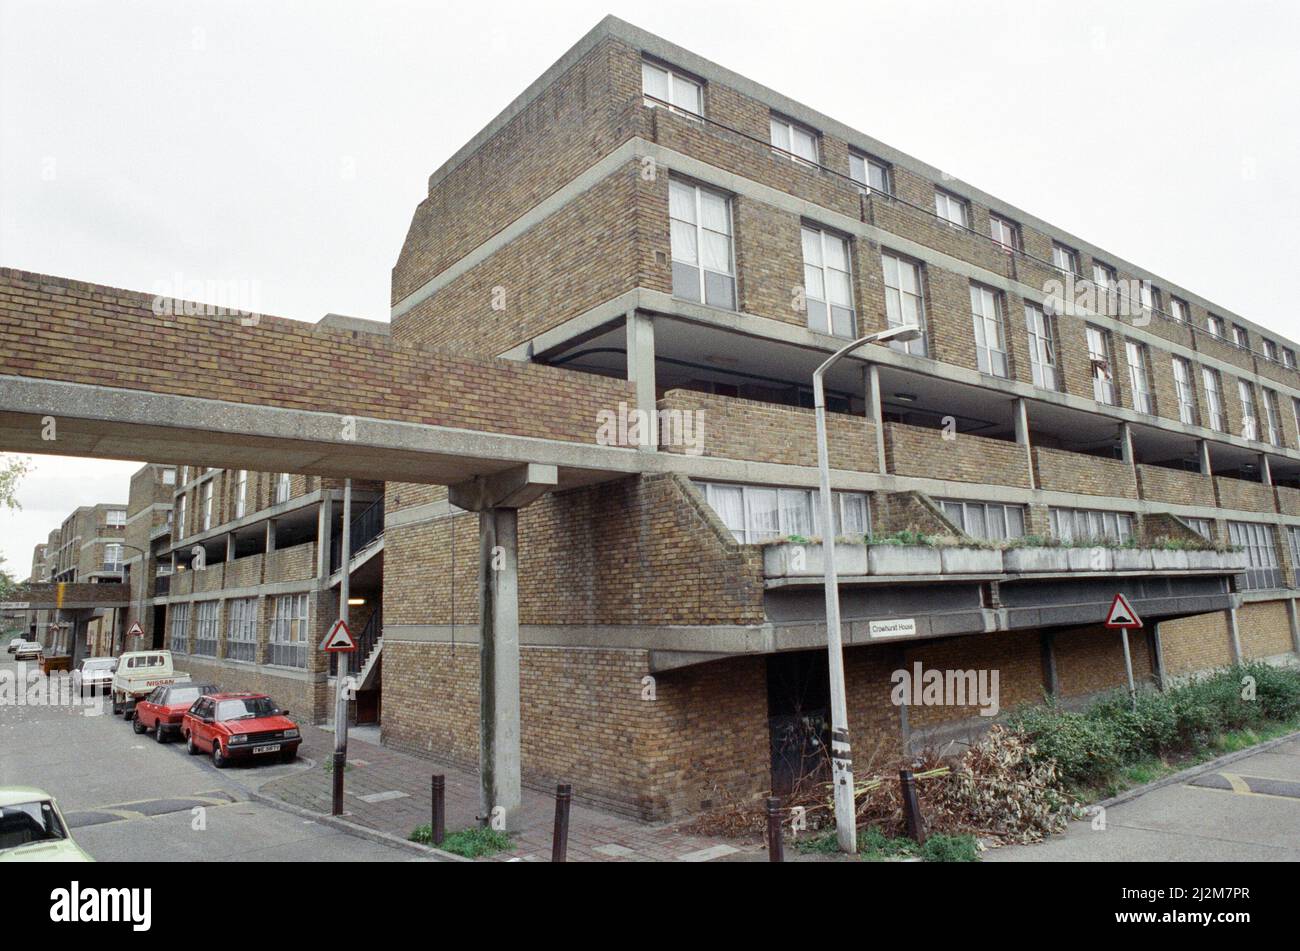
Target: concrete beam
{"x": 510, "y": 489}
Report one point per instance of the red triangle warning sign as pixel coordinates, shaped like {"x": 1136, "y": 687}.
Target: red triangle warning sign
{"x": 339, "y": 640}
{"x": 1122, "y": 614}
{"x": 136, "y": 630}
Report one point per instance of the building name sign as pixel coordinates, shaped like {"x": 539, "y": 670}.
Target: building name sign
{"x": 898, "y": 627}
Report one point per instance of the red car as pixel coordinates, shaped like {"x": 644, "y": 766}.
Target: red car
{"x": 240, "y": 726}
{"x": 161, "y": 711}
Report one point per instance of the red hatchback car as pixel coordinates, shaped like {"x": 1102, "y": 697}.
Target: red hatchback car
{"x": 240, "y": 726}
{"x": 161, "y": 712}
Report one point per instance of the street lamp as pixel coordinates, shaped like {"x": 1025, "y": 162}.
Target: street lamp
{"x": 841, "y": 758}
{"x": 144, "y": 559}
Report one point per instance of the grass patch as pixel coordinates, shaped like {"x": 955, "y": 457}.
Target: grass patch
{"x": 876, "y": 846}
{"x": 471, "y": 843}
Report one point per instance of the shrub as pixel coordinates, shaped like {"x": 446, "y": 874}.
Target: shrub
{"x": 950, "y": 848}
{"x": 471, "y": 843}
{"x": 1083, "y": 748}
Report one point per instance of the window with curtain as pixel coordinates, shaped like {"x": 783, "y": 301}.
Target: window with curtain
{"x": 828, "y": 282}
{"x": 761, "y": 513}
{"x": 904, "y": 301}
{"x": 703, "y": 260}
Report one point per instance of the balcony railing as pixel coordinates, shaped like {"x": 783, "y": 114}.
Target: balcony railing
{"x": 366, "y": 527}
{"x": 366, "y": 641}
{"x": 162, "y": 586}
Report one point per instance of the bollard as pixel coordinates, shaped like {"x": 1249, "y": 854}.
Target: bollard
{"x": 560, "y": 843}
{"x": 775, "y": 840}
{"x": 438, "y": 827}
{"x": 911, "y": 807}
{"x": 340, "y": 763}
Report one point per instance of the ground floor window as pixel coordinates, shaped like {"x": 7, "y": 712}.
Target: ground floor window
{"x": 991, "y": 520}
{"x": 241, "y": 631}
{"x": 1262, "y": 569}
{"x": 289, "y": 631}
{"x": 207, "y": 622}
{"x": 1201, "y": 526}
{"x": 1091, "y": 525}
{"x": 756, "y": 514}
{"x": 179, "y": 640}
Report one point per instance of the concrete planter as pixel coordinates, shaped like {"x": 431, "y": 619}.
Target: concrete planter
{"x": 903, "y": 560}
{"x": 1171, "y": 560}
{"x": 968, "y": 561}
{"x": 1089, "y": 559}
{"x": 790, "y": 560}
{"x": 1132, "y": 559}
{"x": 1041, "y": 560}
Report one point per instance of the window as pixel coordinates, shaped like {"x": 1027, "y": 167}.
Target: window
{"x": 289, "y": 631}
{"x": 180, "y": 520}
{"x": 115, "y": 518}
{"x": 1103, "y": 386}
{"x": 951, "y": 209}
{"x": 1288, "y": 357}
{"x": 1249, "y": 421}
{"x": 1273, "y": 418}
{"x": 180, "y": 632}
{"x": 989, "y": 520}
{"x": 282, "y": 487}
{"x": 112, "y": 557}
{"x": 207, "y": 505}
{"x": 1103, "y": 275}
{"x": 682, "y": 94}
{"x": 872, "y": 173}
{"x": 1240, "y": 337}
{"x": 1149, "y": 296}
{"x": 241, "y": 494}
{"x": 1214, "y": 324}
{"x": 1067, "y": 259}
{"x": 169, "y": 477}
{"x": 827, "y": 282}
{"x": 794, "y": 141}
{"x": 986, "y": 310}
{"x": 700, "y": 223}
{"x": 185, "y": 474}
{"x": 904, "y": 301}
{"x": 1185, "y": 391}
{"x": 1293, "y": 536}
{"x": 1138, "y": 377}
{"x": 757, "y": 513}
{"x": 1042, "y": 346}
{"x": 1091, "y": 525}
{"x": 207, "y": 623}
{"x": 1201, "y": 526}
{"x": 1178, "y": 310}
{"x": 1261, "y": 556}
{"x": 1004, "y": 232}
{"x": 1213, "y": 399}
{"x": 241, "y": 630}
{"x": 1270, "y": 350}
{"x": 1295, "y": 411}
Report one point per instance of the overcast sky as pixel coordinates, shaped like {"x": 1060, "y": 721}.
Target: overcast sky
{"x": 282, "y": 147}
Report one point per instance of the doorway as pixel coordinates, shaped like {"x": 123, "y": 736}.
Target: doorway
{"x": 798, "y": 710}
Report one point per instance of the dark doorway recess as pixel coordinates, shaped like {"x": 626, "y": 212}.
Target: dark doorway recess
{"x": 798, "y": 709}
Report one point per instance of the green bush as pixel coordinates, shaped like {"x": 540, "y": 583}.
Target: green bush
{"x": 471, "y": 843}
{"x": 1083, "y": 748}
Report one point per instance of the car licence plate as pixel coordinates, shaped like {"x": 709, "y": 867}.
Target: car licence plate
{"x": 273, "y": 748}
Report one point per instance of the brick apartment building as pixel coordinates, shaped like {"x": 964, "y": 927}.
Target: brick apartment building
{"x": 1068, "y": 425}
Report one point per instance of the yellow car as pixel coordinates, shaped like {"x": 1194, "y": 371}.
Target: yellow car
{"x": 32, "y": 828}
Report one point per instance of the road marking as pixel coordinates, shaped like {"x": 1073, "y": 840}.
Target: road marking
{"x": 145, "y": 809}
{"x": 1249, "y": 785}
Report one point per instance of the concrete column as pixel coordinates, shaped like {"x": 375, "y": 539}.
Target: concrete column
{"x": 641, "y": 373}
{"x": 1294, "y": 620}
{"x": 1157, "y": 649}
{"x": 1265, "y": 470}
{"x": 500, "y": 792}
{"x": 1203, "y": 452}
{"x": 1021, "y": 409}
{"x": 270, "y": 535}
{"x": 1235, "y": 635}
{"x": 230, "y": 547}
{"x": 324, "y": 535}
{"x": 1126, "y": 445}
{"x": 875, "y": 412}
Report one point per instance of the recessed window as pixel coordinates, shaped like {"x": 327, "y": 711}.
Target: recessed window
{"x": 904, "y": 301}
{"x": 1185, "y": 391}
{"x": 1241, "y": 337}
{"x": 1042, "y": 347}
{"x": 1270, "y": 350}
{"x": 703, "y": 264}
{"x": 793, "y": 140}
{"x": 1178, "y": 310}
{"x": 179, "y": 642}
{"x": 951, "y": 209}
{"x": 207, "y": 624}
{"x": 115, "y": 518}
{"x": 1103, "y": 383}
{"x": 1149, "y": 295}
{"x": 1103, "y": 275}
{"x": 241, "y": 494}
{"x": 1288, "y": 357}
{"x": 869, "y": 172}
{"x": 1249, "y": 421}
{"x": 1213, "y": 399}
{"x": 1256, "y": 540}
{"x": 1273, "y": 418}
{"x": 672, "y": 89}
{"x": 180, "y": 519}
{"x": 1201, "y": 526}
{"x": 288, "y": 639}
{"x": 989, "y": 520}
{"x": 1005, "y": 232}
{"x": 1139, "y": 377}
{"x": 169, "y": 477}
{"x": 828, "y": 283}
{"x": 1091, "y": 525}
{"x": 1066, "y": 259}
{"x": 990, "y": 347}
{"x": 207, "y": 505}
{"x": 1214, "y": 324}
{"x": 756, "y": 514}
{"x": 282, "y": 488}
{"x": 241, "y": 629}
{"x": 112, "y": 557}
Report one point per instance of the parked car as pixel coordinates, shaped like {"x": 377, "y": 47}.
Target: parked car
{"x": 32, "y": 828}
{"x": 240, "y": 726}
{"x": 138, "y": 674}
{"x": 13, "y": 645}
{"x": 97, "y": 674}
{"x": 162, "y": 711}
{"x": 29, "y": 650}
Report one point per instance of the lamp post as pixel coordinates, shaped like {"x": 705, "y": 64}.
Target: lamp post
{"x": 139, "y": 616}
{"x": 841, "y": 758}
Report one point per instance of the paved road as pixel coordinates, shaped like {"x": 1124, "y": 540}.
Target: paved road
{"x": 127, "y": 798}
{"x": 1247, "y": 811}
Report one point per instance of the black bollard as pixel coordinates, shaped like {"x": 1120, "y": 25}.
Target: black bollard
{"x": 560, "y": 843}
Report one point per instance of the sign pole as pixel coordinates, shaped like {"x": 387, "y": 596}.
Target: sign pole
{"x": 341, "y": 696}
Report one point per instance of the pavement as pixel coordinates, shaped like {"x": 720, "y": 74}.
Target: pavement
{"x": 126, "y": 798}
{"x": 1243, "y": 808}
{"x": 389, "y": 791}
